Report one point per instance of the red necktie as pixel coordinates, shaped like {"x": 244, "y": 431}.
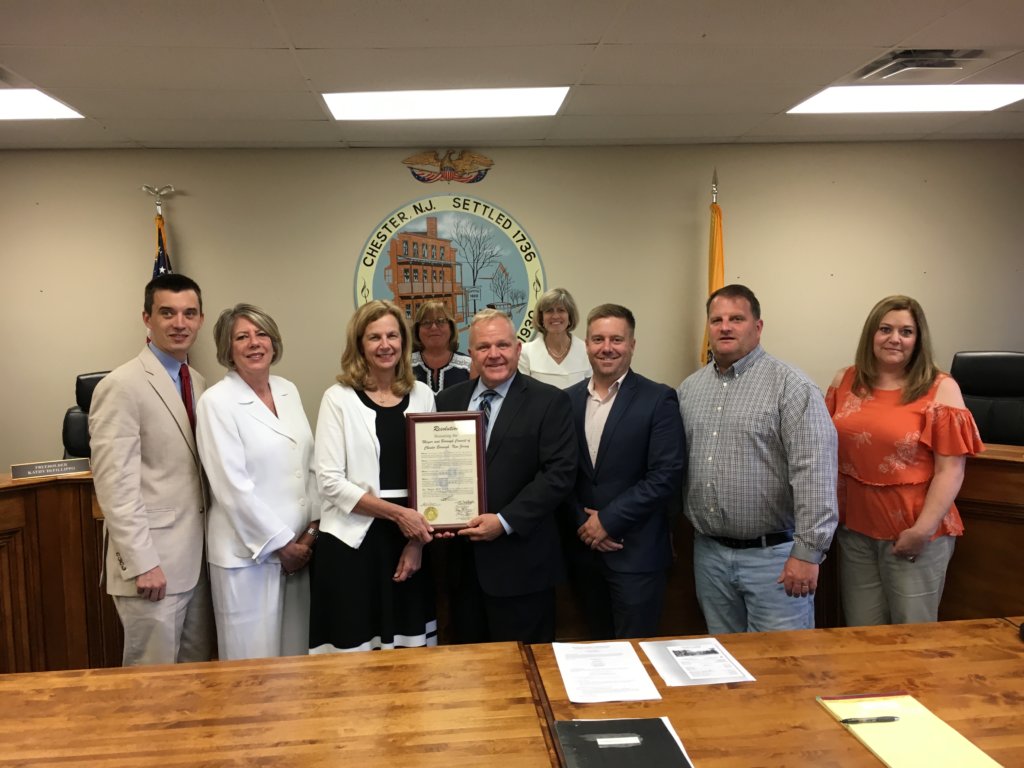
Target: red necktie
{"x": 186, "y": 394}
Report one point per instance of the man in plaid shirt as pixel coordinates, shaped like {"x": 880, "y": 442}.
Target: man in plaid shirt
{"x": 761, "y": 490}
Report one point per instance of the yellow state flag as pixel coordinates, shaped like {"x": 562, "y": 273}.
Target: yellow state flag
{"x": 716, "y": 270}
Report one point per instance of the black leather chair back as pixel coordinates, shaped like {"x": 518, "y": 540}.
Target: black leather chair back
{"x": 75, "y": 432}
{"x": 993, "y": 388}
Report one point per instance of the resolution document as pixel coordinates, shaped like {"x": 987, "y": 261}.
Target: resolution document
{"x": 446, "y": 461}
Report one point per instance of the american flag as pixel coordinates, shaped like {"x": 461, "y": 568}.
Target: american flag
{"x": 162, "y": 262}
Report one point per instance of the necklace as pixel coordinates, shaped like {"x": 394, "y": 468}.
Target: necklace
{"x": 382, "y": 397}
{"x": 556, "y": 355}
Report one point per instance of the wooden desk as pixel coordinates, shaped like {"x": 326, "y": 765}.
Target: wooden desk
{"x": 449, "y": 706}
{"x": 53, "y": 613}
{"x": 970, "y": 673}
{"x": 984, "y": 576}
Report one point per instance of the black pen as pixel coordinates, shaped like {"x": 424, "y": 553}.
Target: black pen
{"x": 862, "y": 720}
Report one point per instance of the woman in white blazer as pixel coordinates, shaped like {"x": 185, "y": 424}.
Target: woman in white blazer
{"x": 257, "y": 449}
{"x": 368, "y": 589}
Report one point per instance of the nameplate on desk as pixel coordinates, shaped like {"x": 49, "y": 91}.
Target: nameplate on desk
{"x": 49, "y": 469}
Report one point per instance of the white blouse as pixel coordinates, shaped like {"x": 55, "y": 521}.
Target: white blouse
{"x": 537, "y": 362}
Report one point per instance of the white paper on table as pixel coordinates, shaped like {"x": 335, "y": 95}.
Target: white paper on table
{"x": 696, "y": 661}
{"x": 595, "y": 672}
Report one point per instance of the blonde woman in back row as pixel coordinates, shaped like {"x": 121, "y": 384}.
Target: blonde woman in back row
{"x": 555, "y": 356}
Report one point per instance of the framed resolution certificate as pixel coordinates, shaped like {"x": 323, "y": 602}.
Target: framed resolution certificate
{"x": 447, "y": 477}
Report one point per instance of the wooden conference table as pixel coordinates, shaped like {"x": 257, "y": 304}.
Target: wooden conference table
{"x": 449, "y": 706}
{"x": 969, "y": 673}
{"x": 493, "y": 705}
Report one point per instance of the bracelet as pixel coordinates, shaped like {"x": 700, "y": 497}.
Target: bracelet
{"x": 314, "y": 532}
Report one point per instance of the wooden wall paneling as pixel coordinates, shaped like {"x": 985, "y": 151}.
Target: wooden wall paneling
{"x": 94, "y": 594}
{"x": 61, "y": 576}
{"x": 15, "y": 627}
{"x": 111, "y": 639}
{"x": 985, "y": 576}
{"x": 682, "y": 614}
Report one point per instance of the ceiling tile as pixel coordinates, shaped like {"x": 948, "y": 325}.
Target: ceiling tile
{"x": 447, "y": 23}
{"x": 433, "y": 68}
{"x": 987, "y": 125}
{"x": 61, "y": 134}
{"x": 1009, "y": 70}
{"x": 246, "y": 73}
{"x": 186, "y": 23}
{"x": 637, "y": 127}
{"x": 671, "y": 65}
{"x": 979, "y": 24}
{"x": 760, "y": 24}
{"x": 698, "y": 98}
{"x": 851, "y": 127}
{"x": 438, "y": 133}
{"x": 150, "y": 67}
{"x": 227, "y": 133}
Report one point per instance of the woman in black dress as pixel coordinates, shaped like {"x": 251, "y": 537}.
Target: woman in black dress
{"x": 368, "y": 589}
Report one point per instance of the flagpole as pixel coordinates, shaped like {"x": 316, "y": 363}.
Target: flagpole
{"x": 716, "y": 259}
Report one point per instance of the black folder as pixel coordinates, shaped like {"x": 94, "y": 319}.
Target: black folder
{"x": 628, "y": 743}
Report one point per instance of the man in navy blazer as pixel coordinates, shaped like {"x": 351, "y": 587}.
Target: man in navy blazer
{"x": 632, "y": 458}
{"x": 510, "y": 557}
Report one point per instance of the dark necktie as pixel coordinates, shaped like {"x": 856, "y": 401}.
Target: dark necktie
{"x": 186, "y": 394}
{"x": 485, "y": 406}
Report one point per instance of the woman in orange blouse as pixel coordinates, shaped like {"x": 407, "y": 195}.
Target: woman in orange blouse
{"x": 904, "y": 435}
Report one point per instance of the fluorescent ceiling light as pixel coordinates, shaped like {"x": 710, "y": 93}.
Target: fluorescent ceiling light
{"x": 446, "y": 105}
{"x": 910, "y": 98}
{"x": 30, "y": 104}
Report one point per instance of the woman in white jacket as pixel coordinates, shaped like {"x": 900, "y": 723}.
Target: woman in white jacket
{"x": 368, "y": 590}
{"x": 257, "y": 450}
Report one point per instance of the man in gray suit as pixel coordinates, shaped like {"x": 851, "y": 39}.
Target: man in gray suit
{"x": 149, "y": 484}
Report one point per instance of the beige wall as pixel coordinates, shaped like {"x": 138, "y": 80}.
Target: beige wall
{"x": 819, "y": 231}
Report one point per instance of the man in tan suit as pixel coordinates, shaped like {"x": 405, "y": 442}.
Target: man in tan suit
{"x": 150, "y": 487}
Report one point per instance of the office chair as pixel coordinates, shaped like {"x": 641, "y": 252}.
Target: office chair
{"x": 75, "y": 432}
{"x": 993, "y": 387}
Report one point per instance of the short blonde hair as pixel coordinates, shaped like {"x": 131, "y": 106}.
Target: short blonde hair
{"x": 355, "y": 372}
{"x": 553, "y": 299}
{"x": 437, "y": 309}
{"x": 486, "y": 315}
{"x": 224, "y": 329}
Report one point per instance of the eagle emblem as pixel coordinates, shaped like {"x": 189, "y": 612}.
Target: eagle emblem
{"x": 466, "y": 167}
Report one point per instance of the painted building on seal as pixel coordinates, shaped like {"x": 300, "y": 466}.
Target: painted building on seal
{"x": 422, "y": 267}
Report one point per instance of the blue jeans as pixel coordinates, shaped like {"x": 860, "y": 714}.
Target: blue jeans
{"x": 739, "y": 592}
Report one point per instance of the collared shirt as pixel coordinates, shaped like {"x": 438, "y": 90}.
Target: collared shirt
{"x": 496, "y": 401}
{"x": 762, "y": 454}
{"x": 598, "y": 409}
{"x": 170, "y": 364}
{"x": 502, "y": 390}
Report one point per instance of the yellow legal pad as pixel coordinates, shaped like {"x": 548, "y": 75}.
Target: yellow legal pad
{"x": 918, "y": 738}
